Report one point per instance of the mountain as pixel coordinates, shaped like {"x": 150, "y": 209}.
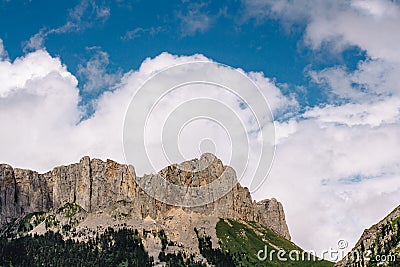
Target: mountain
{"x": 96, "y": 208}
{"x": 378, "y": 246}
{"x": 94, "y": 185}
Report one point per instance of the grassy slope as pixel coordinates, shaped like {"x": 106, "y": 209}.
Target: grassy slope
{"x": 247, "y": 238}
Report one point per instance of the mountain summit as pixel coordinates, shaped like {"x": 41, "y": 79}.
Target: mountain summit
{"x": 94, "y": 213}
{"x": 95, "y": 185}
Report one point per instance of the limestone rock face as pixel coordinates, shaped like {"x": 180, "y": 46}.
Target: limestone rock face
{"x": 22, "y": 192}
{"x": 94, "y": 185}
{"x": 270, "y": 213}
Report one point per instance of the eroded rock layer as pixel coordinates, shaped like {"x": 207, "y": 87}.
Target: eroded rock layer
{"x": 94, "y": 184}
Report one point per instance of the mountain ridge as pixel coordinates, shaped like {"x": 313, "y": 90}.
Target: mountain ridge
{"x": 94, "y": 185}
{"x": 378, "y": 245}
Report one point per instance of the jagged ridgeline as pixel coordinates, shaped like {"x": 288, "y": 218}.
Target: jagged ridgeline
{"x": 93, "y": 213}
{"x": 378, "y": 246}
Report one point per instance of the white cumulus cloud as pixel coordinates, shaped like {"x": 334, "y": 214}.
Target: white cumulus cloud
{"x": 40, "y": 106}
{"x": 337, "y": 165}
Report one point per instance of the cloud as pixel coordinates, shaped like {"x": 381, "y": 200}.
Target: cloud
{"x": 44, "y": 128}
{"x": 337, "y": 174}
{"x": 40, "y": 107}
{"x": 36, "y": 42}
{"x": 340, "y": 158}
{"x": 319, "y": 156}
{"x": 83, "y": 16}
{"x": 195, "y": 19}
{"x": 47, "y": 127}
{"x": 31, "y": 68}
{"x": 139, "y": 31}
{"x": 336, "y": 166}
{"x": 3, "y": 52}
{"x": 373, "y": 80}
{"x": 99, "y": 12}
{"x": 372, "y": 114}
{"x": 95, "y": 74}
{"x": 38, "y": 110}
{"x": 283, "y": 107}
{"x": 369, "y": 24}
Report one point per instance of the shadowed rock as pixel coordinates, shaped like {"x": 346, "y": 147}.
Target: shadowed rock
{"x": 94, "y": 184}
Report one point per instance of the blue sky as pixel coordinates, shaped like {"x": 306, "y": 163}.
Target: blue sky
{"x": 130, "y": 31}
{"x": 330, "y": 71}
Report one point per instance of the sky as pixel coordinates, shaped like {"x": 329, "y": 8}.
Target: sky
{"x": 329, "y": 71}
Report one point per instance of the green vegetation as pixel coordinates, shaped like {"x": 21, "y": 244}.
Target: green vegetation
{"x": 239, "y": 242}
{"x": 112, "y": 248}
{"x": 243, "y": 240}
{"x": 51, "y": 221}
{"x": 386, "y": 245}
{"x": 215, "y": 256}
{"x": 70, "y": 210}
{"x": 163, "y": 238}
{"x": 174, "y": 259}
{"x": 30, "y": 221}
{"x": 179, "y": 260}
{"x": 21, "y": 226}
{"x": 395, "y": 221}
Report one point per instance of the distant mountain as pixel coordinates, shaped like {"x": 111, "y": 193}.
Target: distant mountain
{"x": 378, "y": 245}
{"x": 93, "y": 212}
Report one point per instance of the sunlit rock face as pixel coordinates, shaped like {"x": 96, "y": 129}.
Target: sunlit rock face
{"x": 94, "y": 185}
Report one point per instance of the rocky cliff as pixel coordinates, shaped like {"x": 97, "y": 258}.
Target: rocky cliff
{"x": 379, "y": 245}
{"x": 94, "y": 185}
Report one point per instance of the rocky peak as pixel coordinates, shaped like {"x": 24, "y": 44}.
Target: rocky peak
{"x": 383, "y": 239}
{"x": 271, "y": 214}
{"x": 94, "y": 185}
{"x": 195, "y": 172}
